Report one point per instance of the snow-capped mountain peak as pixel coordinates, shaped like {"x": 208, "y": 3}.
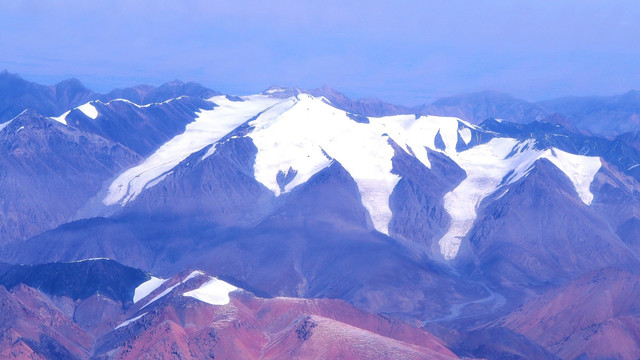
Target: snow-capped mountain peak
{"x": 298, "y": 136}
{"x": 302, "y": 136}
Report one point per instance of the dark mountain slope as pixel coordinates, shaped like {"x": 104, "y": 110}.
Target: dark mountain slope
{"x": 76, "y": 280}
{"x": 141, "y": 129}
{"x": 539, "y": 234}
{"x": 417, "y": 202}
{"x": 48, "y": 171}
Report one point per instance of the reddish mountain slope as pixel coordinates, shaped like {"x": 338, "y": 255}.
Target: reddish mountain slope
{"x": 257, "y": 328}
{"x": 32, "y": 327}
{"x": 193, "y": 316}
{"x": 597, "y": 316}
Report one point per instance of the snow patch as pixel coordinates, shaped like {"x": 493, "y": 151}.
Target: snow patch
{"x": 214, "y": 292}
{"x": 146, "y": 288}
{"x": 465, "y": 134}
{"x": 169, "y": 289}
{"x": 88, "y": 110}
{"x": 83, "y": 260}
{"x": 5, "y": 124}
{"x": 192, "y": 275}
{"x": 130, "y": 321}
{"x": 161, "y": 295}
{"x": 62, "y": 119}
{"x": 275, "y": 90}
{"x": 579, "y": 169}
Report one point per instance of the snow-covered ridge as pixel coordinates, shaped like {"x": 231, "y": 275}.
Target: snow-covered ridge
{"x": 167, "y": 290}
{"x": 208, "y": 127}
{"x": 83, "y": 260}
{"x": 88, "y": 109}
{"x": 145, "y": 105}
{"x": 301, "y": 135}
{"x": 127, "y": 322}
{"x": 487, "y": 165}
{"x": 146, "y": 288}
{"x": 306, "y": 134}
{"x": 6, "y": 123}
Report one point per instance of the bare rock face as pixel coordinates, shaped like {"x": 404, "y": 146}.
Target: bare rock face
{"x": 98, "y": 314}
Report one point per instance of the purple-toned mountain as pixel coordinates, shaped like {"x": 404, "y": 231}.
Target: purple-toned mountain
{"x": 17, "y": 95}
{"x": 479, "y": 106}
{"x": 293, "y": 178}
{"x": 48, "y": 171}
{"x": 148, "y": 94}
{"x": 51, "y": 167}
{"x": 602, "y": 115}
{"x": 594, "y": 317}
{"x": 427, "y": 219}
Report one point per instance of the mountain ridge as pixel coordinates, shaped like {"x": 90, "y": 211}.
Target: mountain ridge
{"x": 432, "y": 220}
{"x": 612, "y": 116}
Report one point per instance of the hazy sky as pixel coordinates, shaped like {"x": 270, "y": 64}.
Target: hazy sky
{"x": 405, "y": 52}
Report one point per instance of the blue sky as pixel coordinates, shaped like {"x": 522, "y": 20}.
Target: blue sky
{"x": 406, "y": 52}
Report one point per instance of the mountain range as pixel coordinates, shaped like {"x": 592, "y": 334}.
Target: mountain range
{"x": 477, "y": 226}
